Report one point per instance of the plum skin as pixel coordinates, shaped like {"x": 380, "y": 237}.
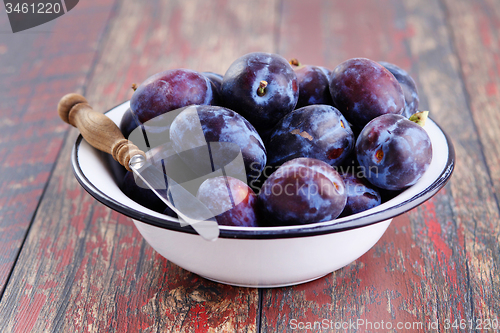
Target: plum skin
{"x": 362, "y": 90}
{"x": 163, "y": 158}
{"x": 316, "y": 131}
{"x": 302, "y": 191}
{"x": 170, "y": 90}
{"x": 242, "y": 80}
{"x": 232, "y": 202}
{"x": 219, "y": 124}
{"x": 393, "y": 151}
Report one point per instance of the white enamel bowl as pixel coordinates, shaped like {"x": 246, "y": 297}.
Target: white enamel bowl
{"x": 262, "y": 257}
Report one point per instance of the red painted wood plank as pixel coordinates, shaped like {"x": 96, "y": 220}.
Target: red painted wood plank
{"x": 433, "y": 265}
{"x": 37, "y": 68}
{"x": 178, "y": 35}
{"x": 475, "y": 30}
{"x": 86, "y": 269}
{"x": 373, "y": 289}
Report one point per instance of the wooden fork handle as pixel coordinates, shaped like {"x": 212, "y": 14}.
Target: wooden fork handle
{"x": 97, "y": 129}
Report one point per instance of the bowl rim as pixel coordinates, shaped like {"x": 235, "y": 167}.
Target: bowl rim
{"x": 270, "y": 232}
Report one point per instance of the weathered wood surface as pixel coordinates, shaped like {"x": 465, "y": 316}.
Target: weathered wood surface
{"x": 37, "y": 68}
{"x": 84, "y": 268}
{"x": 439, "y": 263}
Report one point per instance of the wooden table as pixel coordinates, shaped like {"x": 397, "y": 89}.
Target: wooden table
{"x": 69, "y": 264}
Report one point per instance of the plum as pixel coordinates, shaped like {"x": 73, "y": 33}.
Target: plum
{"x": 393, "y": 151}
{"x": 128, "y": 123}
{"x": 313, "y": 85}
{"x": 316, "y": 131}
{"x": 302, "y": 191}
{"x": 155, "y": 130}
{"x": 215, "y": 78}
{"x": 408, "y": 85}
{"x": 230, "y": 200}
{"x": 216, "y": 81}
{"x": 362, "y": 90}
{"x": 198, "y": 126}
{"x": 170, "y": 90}
{"x": 361, "y": 195}
{"x": 163, "y": 158}
{"x": 136, "y": 190}
{"x": 262, "y": 87}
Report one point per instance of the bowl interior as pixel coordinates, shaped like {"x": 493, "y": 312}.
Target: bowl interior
{"x": 94, "y": 174}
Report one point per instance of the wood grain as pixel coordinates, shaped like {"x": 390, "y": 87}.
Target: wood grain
{"x": 439, "y": 262}
{"x": 97, "y": 129}
{"x": 35, "y": 74}
{"x": 84, "y": 268}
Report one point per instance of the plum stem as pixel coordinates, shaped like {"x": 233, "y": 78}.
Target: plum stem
{"x": 419, "y": 117}
{"x": 261, "y": 91}
{"x": 134, "y": 86}
{"x": 294, "y": 62}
